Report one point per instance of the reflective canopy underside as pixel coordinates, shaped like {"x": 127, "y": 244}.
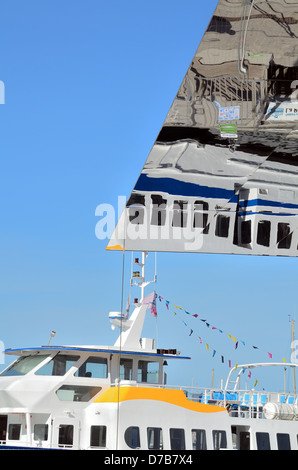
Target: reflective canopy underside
{"x": 222, "y": 174}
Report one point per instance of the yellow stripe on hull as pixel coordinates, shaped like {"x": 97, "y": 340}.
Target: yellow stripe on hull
{"x": 173, "y": 397}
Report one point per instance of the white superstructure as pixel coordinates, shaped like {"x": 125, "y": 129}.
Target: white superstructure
{"x": 116, "y": 398}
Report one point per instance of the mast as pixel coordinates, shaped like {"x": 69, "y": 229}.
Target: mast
{"x": 131, "y": 328}
{"x": 293, "y": 353}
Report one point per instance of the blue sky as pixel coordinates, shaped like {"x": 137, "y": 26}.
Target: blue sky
{"x": 87, "y": 88}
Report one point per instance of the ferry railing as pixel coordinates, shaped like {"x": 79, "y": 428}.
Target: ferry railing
{"x": 239, "y": 403}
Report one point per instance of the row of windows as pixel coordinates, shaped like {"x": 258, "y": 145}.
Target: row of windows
{"x": 264, "y": 234}
{"x": 58, "y": 366}
{"x": 200, "y": 220}
{"x": 179, "y": 215}
{"x": 65, "y": 436}
{"x": 263, "y": 441}
{"x": 155, "y": 440}
{"x": 93, "y": 367}
{"x": 199, "y": 441}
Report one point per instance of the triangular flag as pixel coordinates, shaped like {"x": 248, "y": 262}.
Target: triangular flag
{"x": 177, "y": 307}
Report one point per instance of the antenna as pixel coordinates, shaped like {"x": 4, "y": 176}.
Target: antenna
{"x": 51, "y": 336}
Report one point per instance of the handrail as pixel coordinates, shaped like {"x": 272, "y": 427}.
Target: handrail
{"x": 242, "y": 367}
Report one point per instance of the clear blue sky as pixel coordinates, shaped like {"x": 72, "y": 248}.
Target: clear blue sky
{"x": 88, "y": 85}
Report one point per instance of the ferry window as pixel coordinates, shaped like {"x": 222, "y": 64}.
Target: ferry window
{"x": 125, "y": 369}
{"x": 96, "y": 367}
{"x": 98, "y": 435}
{"x": 59, "y": 365}
{"x": 154, "y": 438}
{"x": 132, "y": 437}
{"x": 136, "y": 213}
{"x": 222, "y": 226}
{"x": 40, "y": 432}
{"x": 24, "y": 365}
{"x": 245, "y": 232}
{"x": 159, "y": 206}
{"x": 177, "y": 439}
{"x": 263, "y": 441}
{"x": 219, "y": 440}
{"x": 263, "y": 235}
{"x": 3, "y": 427}
{"x": 179, "y": 214}
{"x": 200, "y": 219}
{"x": 14, "y": 431}
{"x": 65, "y": 435}
{"x": 76, "y": 392}
{"x": 284, "y": 236}
{"x": 283, "y": 442}
{"x": 199, "y": 439}
{"x": 148, "y": 372}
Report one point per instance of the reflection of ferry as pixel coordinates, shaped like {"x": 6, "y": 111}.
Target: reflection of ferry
{"x": 200, "y": 210}
{"x": 116, "y": 397}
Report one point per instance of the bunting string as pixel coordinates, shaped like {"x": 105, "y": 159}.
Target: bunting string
{"x": 169, "y": 305}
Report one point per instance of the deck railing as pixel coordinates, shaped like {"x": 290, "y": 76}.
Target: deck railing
{"x": 239, "y": 403}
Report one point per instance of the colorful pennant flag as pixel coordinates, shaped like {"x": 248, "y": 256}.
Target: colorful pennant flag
{"x": 208, "y": 325}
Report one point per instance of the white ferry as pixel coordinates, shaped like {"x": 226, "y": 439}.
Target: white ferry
{"x": 116, "y": 398}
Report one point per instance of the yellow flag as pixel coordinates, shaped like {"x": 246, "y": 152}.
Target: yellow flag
{"x": 177, "y": 306}
{"x": 284, "y": 359}
{"x": 207, "y": 346}
{"x": 255, "y": 383}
